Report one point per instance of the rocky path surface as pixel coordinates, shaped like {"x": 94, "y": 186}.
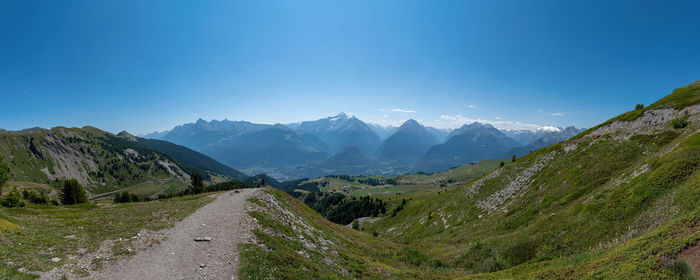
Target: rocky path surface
{"x": 224, "y": 221}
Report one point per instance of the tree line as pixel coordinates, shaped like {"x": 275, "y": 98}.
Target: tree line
{"x": 340, "y": 209}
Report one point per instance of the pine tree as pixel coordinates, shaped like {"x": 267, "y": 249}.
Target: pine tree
{"x": 4, "y": 172}
{"x": 197, "y": 184}
{"x": 513, "y": 158}
{"x": 73, "y": 193}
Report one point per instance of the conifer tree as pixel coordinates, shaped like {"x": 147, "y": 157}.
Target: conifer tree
{"x": 73, "y": 193}
{"x": 197, "y": 184}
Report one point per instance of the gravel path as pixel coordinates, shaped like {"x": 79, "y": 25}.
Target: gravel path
{"x": 179, "y": 257}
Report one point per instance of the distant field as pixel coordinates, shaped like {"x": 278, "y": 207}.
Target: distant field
{"x": 408, "y": 183}
{"x": 28, "y": 186}
{"x": 151, "y": 188}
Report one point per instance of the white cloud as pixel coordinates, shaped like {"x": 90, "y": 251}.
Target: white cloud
{"x": 385, "y": 116}
{"x": 549, "y": 128}
{"x": 470, "y": 106}
{"x": 387, "y": 122}
{"x": 402, "y": 111}
{"x": 456, "y": 121}
{"x": 559, "y": 114}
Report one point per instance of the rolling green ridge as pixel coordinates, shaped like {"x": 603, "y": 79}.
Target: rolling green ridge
{"x": 620, "y": 201}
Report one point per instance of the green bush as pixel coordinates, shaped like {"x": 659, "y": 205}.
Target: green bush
{"x": 36, "y": 197}
{"x": 13, "y": 199}
{"x": 639, "y": 107}
{"x": 683, "y": 269}
{"x": 4, "y": 172}
{"x": 479, "y": 258}
{"x": 73, "y": 193}
{"x": 521, "y": 252}
{"x": 414, "y": 257}
{"x": 126, "y": 197}
{"x": 356, "y": 225}
{"x": 679, "y": 123}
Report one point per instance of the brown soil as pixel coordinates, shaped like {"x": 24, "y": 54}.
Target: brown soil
{"x": 692, "y": 256}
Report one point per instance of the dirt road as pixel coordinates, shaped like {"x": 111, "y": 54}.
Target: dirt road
{"x": 181, "y": 257}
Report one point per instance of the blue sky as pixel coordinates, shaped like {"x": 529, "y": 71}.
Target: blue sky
{"x": 143, "y": 66}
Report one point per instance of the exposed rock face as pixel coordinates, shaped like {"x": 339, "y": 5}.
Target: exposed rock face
{"x": 648, "y": 123}
{"x": 517, "y": 182}
{"x": 95, "y": 158}
{"x": 68, "y": 161}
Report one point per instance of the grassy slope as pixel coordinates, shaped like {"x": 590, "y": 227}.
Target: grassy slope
{"x": 575, "y": 210}
{"x": 42, "y": 230}
{"x": 297, "y": 243}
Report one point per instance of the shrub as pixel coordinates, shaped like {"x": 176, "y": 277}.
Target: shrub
{"x": 502, "y": 164}
{"x": 126, "y": 197}
{"x": 4, "y": 172}
{"x": 521, "y": 252}
{"x": 679, "y": 123}
{"x": 73, "y": 193}
{"x": 118, "y": 198}
{"x": 480, "y": 258}
{"x": 683, "y": 269}
{"x": 356, "y": 225}
{"x": 36, "y": 197}
{"x": 13, "y": 199}
{"x": 639, "y": 107}
{"x": 415, "y": 258}
{"x": 8, "y": 227}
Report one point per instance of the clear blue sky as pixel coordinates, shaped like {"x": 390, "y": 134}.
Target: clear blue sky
{"x": 143, "y": 66}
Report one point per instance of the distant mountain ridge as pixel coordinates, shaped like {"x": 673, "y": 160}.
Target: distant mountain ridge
{"x": 469, "y": 143}
{"x": 343, "y": 144}
{"x": 341, "y": 132}
{"x": 405, "y": 146}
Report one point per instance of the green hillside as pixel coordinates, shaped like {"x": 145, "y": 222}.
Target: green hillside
{"x": 102, "y": 162}
{"x": 620, "y": 201}
{"x": 413, "y": 183}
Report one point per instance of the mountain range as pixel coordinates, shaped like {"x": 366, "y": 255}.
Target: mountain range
{"x": 344, "y": 144}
